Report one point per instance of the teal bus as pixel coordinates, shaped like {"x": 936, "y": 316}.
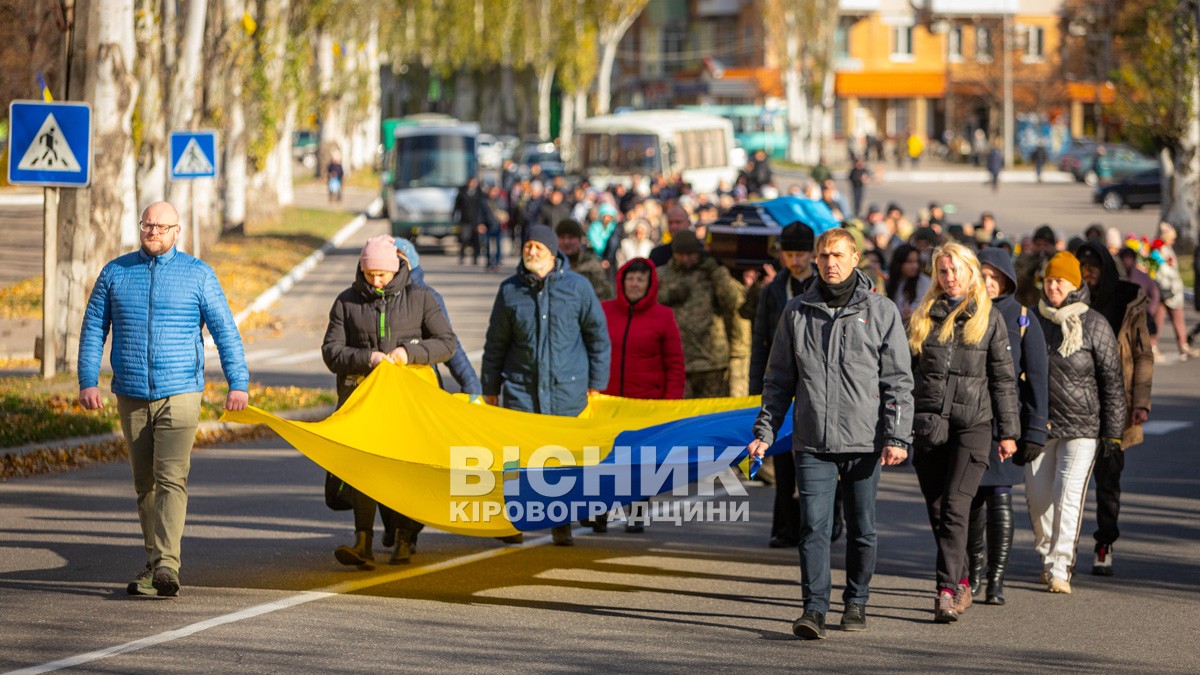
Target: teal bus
{"x": 755, "y": 127}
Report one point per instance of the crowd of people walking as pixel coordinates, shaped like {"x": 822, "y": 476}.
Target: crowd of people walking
{"x": 984, "y": 362}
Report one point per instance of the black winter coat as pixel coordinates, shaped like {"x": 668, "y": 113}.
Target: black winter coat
{"x": 771, "y": 302}
{"x": 363, "y": 320}
{"x": 980, "y": 376}
{"x": 1087, "y": 389}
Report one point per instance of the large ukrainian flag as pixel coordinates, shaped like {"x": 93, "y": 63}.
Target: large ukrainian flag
{"x": 482, "y": 471}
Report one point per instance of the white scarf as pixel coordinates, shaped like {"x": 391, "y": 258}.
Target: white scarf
{"x": 1070, "y": 318}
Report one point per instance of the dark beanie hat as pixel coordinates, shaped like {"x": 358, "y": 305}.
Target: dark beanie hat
{"x": 1045, "y": 233}
{"x": 543, "y": 235}
{"x": 569, "y": 228}
{"x": 925, "y": 234}
{"x": 685, "y": 241}
{"x": 796, "y": 237}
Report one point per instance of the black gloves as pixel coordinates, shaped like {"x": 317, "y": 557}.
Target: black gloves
{"x": 1027, "y": 451}
{"x": 1110, "y": 447}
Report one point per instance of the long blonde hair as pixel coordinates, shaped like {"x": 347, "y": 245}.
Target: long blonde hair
{"x": 966, "y": 268}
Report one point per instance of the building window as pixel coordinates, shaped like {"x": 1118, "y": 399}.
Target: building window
{"x": 674, "y": 37}
{"x": 983, "y": 44}
{"x": 1035, "y": 44}
{"x": 841, "y": 41}
{"x": 954, "y": 43}
{"x": 902, "y": 43}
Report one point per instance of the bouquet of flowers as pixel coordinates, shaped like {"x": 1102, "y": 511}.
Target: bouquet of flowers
{"x": 1150, "y": 253}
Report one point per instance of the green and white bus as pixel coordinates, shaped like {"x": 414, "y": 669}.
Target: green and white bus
{"x": 426, "y": 159}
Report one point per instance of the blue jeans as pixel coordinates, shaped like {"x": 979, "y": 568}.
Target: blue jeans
{"x": 493, "y": 247}
{"x": 817, "y": 480}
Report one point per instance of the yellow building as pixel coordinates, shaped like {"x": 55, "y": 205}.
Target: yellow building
{"x": 939, "y": 68}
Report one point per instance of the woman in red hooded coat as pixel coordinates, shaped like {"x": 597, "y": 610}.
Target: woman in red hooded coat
{"x": 647, "y": 352}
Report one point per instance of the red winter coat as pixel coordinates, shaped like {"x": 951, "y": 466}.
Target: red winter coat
{"x": 647, "y": 352}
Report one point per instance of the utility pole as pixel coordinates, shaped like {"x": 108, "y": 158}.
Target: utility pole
{"x": 1009, "y": 121}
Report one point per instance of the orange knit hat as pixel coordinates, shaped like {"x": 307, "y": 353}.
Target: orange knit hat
{"x": 1065, "y": 266}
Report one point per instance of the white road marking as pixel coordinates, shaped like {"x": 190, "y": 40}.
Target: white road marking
{"x": 293, "y": 359}
{"x": 1164, "y": 427}
{"x": 284, "y": 603}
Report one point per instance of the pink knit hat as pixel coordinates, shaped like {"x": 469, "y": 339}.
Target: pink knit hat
{"x": 379, "y": 254}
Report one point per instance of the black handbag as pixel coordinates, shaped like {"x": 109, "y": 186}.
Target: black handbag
{"x": 339, "y": 496}
{"x": 933, "y": 429}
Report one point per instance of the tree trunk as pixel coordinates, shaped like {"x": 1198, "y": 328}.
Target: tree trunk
{"x": 91, "y": 219}
{"x": 580, "y": 106}
{"x": 1181, "y": 177}
{"x": 234, "y": 169}
{"x": 273, "y": 182}
{"x": 545, "y": 83}
{"x": 608, "y": 56}
{"x": 566, "y": 130}
{"x": 507, "y": 97}
{"x": 332, "y": 137}
{"x": 184, "y": 95}
{"x": 463, "y": 105}
{"x": 152, "y": 159}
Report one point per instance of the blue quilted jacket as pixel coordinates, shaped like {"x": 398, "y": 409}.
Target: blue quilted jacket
{"x": 156, "y": 307}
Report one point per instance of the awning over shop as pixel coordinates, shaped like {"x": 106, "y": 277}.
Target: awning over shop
{"x": 1085, "y": 92}
{"x": 891, "y": 85}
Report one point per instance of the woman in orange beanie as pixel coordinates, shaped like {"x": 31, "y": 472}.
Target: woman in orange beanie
{"x": 1087, "y": 402}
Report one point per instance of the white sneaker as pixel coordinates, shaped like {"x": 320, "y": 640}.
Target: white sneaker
{"x": 1158, "y": 357}
{"x": 1102, "y": 561}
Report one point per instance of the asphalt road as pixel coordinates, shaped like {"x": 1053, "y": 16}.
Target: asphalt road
{"x": 262, "y": 592}
{"x": 1020, "y": 206}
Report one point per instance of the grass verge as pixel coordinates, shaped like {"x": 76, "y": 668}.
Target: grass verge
{"x": 34, "y": 410}
{"x": 246, "y": 263}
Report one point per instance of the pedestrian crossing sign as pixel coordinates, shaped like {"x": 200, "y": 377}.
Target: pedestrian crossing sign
{"x": 49, "y": 144}
{"x": 193, "y": 154}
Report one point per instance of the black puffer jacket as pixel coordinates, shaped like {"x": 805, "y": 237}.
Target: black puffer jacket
{"x": 363, "y": 320}
{"x": 980, "y": 375}
{"x": 1087, "y": 390}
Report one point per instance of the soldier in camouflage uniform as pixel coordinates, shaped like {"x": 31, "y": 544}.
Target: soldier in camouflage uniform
{"x": 703, "y": 296}
{"x": 570, "y": 242}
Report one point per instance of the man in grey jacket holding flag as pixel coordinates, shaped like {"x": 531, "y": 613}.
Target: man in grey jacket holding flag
{"x": 841, "y": 354}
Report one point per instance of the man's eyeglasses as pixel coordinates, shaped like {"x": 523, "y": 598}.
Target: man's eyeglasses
{"x": 153, "y": 227}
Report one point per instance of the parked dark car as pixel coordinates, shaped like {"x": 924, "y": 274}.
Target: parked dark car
{"x": 1070, "y": 160}
{"x": 1135, "y": 191}
{"x": 1123, "y": 161}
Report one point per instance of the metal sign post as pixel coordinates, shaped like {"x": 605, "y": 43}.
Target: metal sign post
{"x": 49, "y": 145}
{"x": 49, "y": 281}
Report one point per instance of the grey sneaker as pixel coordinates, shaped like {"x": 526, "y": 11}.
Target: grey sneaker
{"x": 142, "y": 584}
{"x": 810, "y": 625}
{"x": 166, "y": 581}
{"x": 854, "y": 618}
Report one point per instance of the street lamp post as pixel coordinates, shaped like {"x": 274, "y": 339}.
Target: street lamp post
{"x": 1009, "y": 122}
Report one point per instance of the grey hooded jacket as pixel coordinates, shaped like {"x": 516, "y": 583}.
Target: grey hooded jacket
{"x": 848, "y": 370}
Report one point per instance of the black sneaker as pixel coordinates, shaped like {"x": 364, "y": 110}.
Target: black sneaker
{"x": 518, "y": 538}
{"x": 854, "y": 618}
{"x": 783, "y": 542}
{"x": 810, "y": 625}
{"x": 143, "y": 583}
{"x": 166, "y": 582}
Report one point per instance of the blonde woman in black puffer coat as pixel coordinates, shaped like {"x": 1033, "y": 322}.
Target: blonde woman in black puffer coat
{"x": 962, "y": 366}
